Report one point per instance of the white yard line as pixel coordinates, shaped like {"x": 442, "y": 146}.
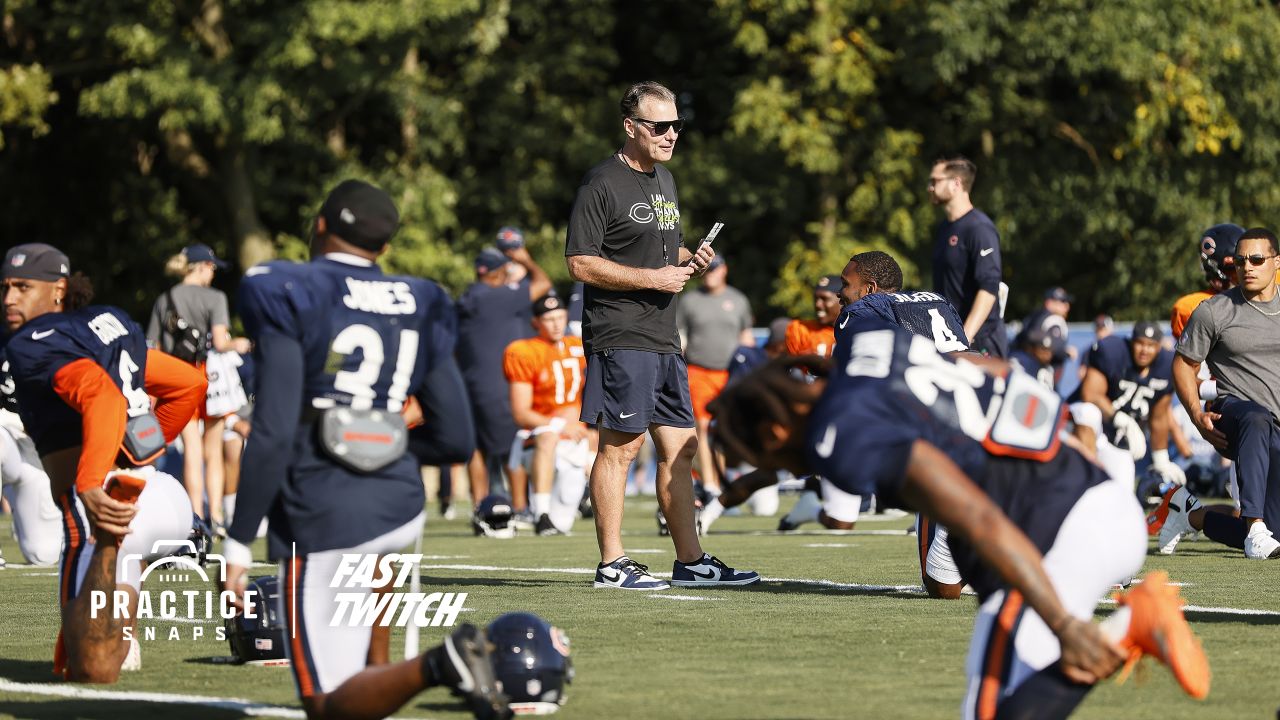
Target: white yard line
{"x": 664, "y": 596}
{"x": 247, "y": 707}
{"x": 817, "y": 582}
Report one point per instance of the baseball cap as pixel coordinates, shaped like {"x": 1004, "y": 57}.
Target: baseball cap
{"x": 1147, "y": 329}
{"x": 200, "y": 252}
{"x": 489, "y": 260}
{"x": 1060, "y": 294}
{"x": 361, "y": 214}
{"x": 547, "y": 303}
{"x": 1103, "y": 321}
{"x": 510, "y": 238}
{"x": 36, "y": 261}
{"x": 716, "y": 261}
{"x": 829, "y": 283}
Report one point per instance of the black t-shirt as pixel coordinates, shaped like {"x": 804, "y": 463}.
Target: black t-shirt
{"x": 633, "y": 219}
{"x": 966, "y": 259}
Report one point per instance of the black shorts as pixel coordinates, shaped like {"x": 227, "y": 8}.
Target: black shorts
{"x": 629, "y": 390}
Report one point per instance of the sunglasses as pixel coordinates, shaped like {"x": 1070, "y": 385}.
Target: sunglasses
{"x": 660, "y": 127}
{"x": 1254, "y": 260}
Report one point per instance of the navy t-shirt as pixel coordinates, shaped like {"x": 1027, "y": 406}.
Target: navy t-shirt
{"x": 489, "y": 319}
{"x": 966, "y": 259}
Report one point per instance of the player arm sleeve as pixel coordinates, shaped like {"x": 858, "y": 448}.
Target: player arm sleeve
{"x": 178, "y": 387}
{"x": 280, "y": 370}
{"x": 88, "y": 389}
{"x": 987, "y": 269}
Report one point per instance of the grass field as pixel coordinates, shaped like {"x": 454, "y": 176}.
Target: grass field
{"x": 821, "y": 637}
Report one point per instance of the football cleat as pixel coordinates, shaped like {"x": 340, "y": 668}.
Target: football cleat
{"x": 1177, "y": 521}
{"x": 710, "y": 572}
{"x": 1158, "y": 628}
{"x": 545, "y": 527}
{"x": 524, "y": 521}
{"x": 1156, "y": 518}
{"x": 627, "y": 574}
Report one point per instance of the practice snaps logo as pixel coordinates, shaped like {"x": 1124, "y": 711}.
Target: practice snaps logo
{"x": 170, "y": 605}
{"x": 357, "y": 574}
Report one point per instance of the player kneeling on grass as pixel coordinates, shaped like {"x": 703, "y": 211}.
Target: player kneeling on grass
{"x": 1050, "y": 532}
{"x": 339, "y": 348}
{"x": 84, "y": 379}
{"x": 546, "y": 373}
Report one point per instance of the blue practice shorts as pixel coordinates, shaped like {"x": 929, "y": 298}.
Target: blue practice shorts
{"x": 629, "y": 390}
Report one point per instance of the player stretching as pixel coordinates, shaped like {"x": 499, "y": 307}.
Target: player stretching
{"x": 546, "y": 374}
{"x": 339, "y": 349}
{"x": 1037, "y": 530}
{"x": 83, "y": 376}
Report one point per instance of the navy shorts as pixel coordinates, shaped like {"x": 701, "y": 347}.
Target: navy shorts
{"x": 629, "y": 390}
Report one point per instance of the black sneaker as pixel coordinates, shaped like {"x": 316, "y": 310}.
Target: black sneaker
{"x": 585, "y": 509}
{"x": 544, "y": 528}
{"x": 463, "y": 663}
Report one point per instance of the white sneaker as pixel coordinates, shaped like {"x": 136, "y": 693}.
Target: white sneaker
{"x": 1178, "y": 522}
{"x": 1260, "y": 545}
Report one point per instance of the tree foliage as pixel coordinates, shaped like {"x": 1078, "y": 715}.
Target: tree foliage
{"x": 1107, "y": 134}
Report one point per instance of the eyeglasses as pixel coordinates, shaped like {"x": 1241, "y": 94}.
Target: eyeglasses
{"x": 660, "y": 127}
{"x": 1254, "y": 260}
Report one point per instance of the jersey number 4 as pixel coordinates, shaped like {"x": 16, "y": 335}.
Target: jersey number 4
{"x": 359, "y": 383}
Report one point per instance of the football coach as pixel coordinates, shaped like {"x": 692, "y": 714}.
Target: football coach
{"x": 625, "y": 243}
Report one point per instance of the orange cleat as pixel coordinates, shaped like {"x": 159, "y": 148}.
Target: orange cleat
{"x": 125, "y": 487}
{"x": 1157, "y": 627}
{"x": 1155, "y": 520}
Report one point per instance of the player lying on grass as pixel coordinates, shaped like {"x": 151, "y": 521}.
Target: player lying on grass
{"x": 83, "y": 376}
{"x": 1037, "y": 530}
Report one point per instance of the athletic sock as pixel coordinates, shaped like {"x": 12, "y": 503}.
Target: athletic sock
{"x": 228, "y": 508}
{"x": 806, "y": 509}
{"x": 711, "y": 512}
{"x": 541, "y": 504}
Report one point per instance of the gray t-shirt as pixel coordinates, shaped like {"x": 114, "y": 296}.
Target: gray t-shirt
{"x": 1241, "y": 342}
{"x": 712, "y": 326}
{"x": 201, "y": 307}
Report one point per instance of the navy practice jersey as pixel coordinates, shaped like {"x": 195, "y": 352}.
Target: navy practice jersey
{"x": 923, "y": 313}
{"x": 745, "y": 359}
{"x": 50, "y": 342}
{"x": 368, "y": 341}
{"x": 889, "y": 388}
{"x": 1128, "y": 389}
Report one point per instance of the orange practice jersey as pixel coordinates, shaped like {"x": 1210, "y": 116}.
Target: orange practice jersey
{"x": 1183, "y": 308}
{"x": 810, "y": 337}
{"x": 557, "y": 371}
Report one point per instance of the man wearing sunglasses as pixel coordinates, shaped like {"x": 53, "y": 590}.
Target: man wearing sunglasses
{"x": 625, "y": 243}
{"x": 1238, "y": 333}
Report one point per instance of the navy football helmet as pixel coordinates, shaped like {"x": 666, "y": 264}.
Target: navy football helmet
{"x": 531, "y": 660}
{"x": 492, "y": 517}
{"x": 259, "y": 640}
{"x": 1217, "y": 248}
